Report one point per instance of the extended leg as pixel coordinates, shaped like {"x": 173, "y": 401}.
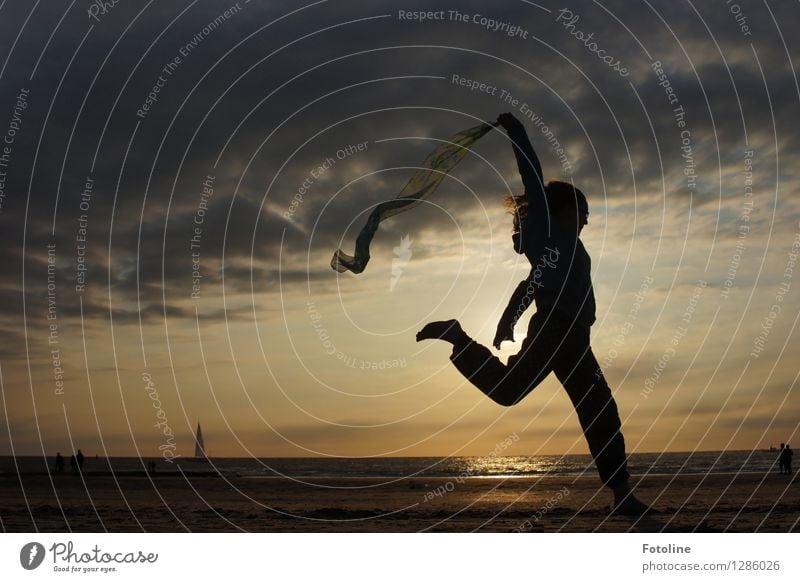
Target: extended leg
{"x": 507, "y": 384}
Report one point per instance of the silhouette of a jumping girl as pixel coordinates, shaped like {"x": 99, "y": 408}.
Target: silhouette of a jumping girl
{"x": 547, "y": 224}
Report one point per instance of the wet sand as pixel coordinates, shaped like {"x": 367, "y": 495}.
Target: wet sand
{"x": 744, "y": 502}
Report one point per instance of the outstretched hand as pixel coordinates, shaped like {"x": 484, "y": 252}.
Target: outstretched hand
{"x": 505, "y": 332}
{"x": 508, "y": 121}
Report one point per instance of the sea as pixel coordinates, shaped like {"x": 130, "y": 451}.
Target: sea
{"x": 705, "y": 462}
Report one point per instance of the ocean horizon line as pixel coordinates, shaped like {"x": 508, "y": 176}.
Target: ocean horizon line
{"x": 354, "y": 457}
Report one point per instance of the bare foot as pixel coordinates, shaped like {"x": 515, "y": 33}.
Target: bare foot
{"x": 629, "y": 505}
{"x": 626, "y": 503}
{"x": 449, "y": 331}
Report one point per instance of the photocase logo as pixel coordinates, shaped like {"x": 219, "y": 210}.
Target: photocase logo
{"x": 402, "y": 254}
{"x": 31, "y": 555}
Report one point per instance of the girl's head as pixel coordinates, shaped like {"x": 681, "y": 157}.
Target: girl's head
{"x": 565, "y": 203}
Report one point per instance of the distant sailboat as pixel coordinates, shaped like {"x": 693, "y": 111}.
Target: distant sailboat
{"x": 199, "y": 446}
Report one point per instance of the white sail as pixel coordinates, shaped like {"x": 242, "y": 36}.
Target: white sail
{"x": 199, "y": 447}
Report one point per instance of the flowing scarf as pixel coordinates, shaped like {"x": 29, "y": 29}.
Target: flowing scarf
{"x": 421, "y": 185}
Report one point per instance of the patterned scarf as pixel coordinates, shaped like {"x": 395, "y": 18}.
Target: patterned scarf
{"x": 421, "y": 185}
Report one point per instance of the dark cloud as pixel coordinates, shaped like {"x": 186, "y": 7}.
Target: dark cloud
{"x": 241, "y": 94}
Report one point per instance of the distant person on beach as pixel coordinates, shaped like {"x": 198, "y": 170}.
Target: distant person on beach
{"x": 781, "y": 459}
{"x": 548, "y": 220}
{"x": 79, "y": 458}
{"x": 59, "y": 463}
{"x": 786, "y": 459}
{"x": 73, "y": 464}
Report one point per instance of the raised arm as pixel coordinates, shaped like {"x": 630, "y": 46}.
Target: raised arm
{"x": 536, "y": 213}
{"x": 528, "y": 163}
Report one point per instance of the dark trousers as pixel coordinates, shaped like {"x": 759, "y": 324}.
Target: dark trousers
{"x": 554, "y": 344}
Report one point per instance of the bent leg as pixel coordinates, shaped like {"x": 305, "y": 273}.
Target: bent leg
{"x": 596, "y": 408}
{"x": 509, "y": 383}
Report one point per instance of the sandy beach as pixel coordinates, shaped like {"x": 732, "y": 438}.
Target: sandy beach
{"x": 744, "y": 502}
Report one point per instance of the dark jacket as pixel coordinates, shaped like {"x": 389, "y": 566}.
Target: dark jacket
{"x": 561, "y": 269}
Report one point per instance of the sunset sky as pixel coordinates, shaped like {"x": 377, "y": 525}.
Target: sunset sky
{"x": 136, "y": 129}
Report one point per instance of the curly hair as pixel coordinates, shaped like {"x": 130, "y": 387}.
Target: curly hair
{"x": 517, "y": 205}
